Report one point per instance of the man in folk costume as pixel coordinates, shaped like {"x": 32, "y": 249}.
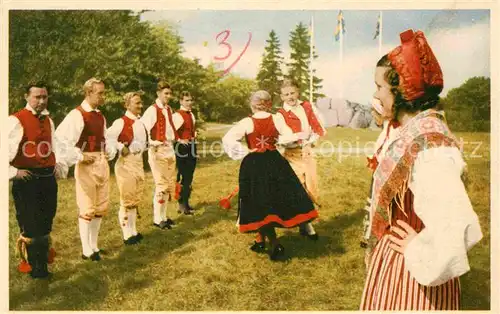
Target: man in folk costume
{"x": 130, "y": 136}
{"x": 161, "y": 155}
{"x": 185, "y": 149}
{"x": 34, "y": 166}
{"x": 83, "y": 134}
{"x": 302, "y": 116}
{"x": 421, "y": 218}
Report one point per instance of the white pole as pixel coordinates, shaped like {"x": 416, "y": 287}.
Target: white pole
{"x": 311, "y": 55}
{"x": 380, "y": 37}
{"x": 341, "y": 57}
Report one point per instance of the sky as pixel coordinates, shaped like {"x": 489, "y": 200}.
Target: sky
{"x": 460, "y": 40}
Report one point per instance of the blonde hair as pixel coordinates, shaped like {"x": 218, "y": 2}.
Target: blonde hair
{"x": 89, "y": 85}
{"x": 290, "y": 83}
{"x": 128, "y": 97}
{"x": 261, "y": 101}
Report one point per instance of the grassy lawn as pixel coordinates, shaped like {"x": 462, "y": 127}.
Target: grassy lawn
{"x": 205, "y": 264}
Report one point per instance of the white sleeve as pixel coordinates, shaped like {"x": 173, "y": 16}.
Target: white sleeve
{"x": 110, "y": 145}
{"x": 56, "y": 148}
{"x": 15, "y": 131}
{"x": 178, "y": 120}
{"x": 286, "y": 134}
{"x": 112, "y": 136}
{"x": 439, "y": 252}
{"x": 67, "y": 135}
{"x": 149, "y": 119}
{"x": 232, "y": 140}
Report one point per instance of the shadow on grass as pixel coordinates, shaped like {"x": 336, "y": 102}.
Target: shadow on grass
{"x": 331, "y": 239}
{"x": 475, "y": 290}
{"x": 85, "y": 285}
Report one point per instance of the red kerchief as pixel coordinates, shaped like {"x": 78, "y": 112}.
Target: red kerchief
{"x": 416, "y": 65}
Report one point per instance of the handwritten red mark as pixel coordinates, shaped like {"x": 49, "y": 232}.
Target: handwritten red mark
{"x": 223, "y": 42}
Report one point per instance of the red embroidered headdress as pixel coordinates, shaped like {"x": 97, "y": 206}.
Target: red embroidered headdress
{"x": 416, "y": 65}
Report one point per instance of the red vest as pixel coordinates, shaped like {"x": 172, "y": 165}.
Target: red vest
{"x": 127, "y": 134}
{"x": 158, "y": 130}
{"x": 293, "y": 121}
{"x": 35, "y": 148}
{"x": 264, "y": 135}
{"x": 92, "y": 137}
{"x": 186, "y": 131}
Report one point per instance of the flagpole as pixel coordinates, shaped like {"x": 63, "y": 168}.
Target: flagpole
{"x": 311, "y": 55}
{"x": 380, "y": 37}
{"x": 341, "y": 60}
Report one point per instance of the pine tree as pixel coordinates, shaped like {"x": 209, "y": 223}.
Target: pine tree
{"x": 270, "y": 73}
{"x": 298, "y": 68}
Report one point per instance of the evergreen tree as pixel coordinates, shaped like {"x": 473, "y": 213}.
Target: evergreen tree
{"x": 298, "y": 68}
{"x": 270, "y": 73}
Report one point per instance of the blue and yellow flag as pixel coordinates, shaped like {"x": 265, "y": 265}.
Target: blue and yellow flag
{"x": 377, "y": 28}
{"x": 340, "y": 25}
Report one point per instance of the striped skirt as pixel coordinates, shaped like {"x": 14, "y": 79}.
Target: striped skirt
{"x": 389, "y": 286}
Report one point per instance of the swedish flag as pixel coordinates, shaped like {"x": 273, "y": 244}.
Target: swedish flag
{"x": 340, "y": 25}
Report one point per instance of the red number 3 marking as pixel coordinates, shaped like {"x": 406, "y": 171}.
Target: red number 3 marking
{"x": 224, "y": 43}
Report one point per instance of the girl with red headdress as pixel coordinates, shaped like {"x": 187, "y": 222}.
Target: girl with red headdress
{"x": 421, "y": 220}
{"x": 270, "y": 194}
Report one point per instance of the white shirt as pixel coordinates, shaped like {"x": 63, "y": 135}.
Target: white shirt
{"x": 298, "y": 110}
{"x": 439, "y": 252}
{"x": 231, "y": 141}
{"x": 149, "y": 120}
{"x": 139, "y": 142}
{"x": 16, "y": 132}
{"x": 179, "y": 120}
{"x": 69, "y": 131}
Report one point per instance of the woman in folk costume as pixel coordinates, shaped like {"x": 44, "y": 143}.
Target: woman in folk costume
{"x": 302, "y": 117}
{"x": 83, "y": 135}
{"x": 270, "y": 194}
{"x": 421, "y": 217}
{"x": 161, "y": 155}
{"x": 130, "y": 137}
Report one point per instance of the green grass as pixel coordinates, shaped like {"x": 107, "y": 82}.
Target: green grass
{"x": 205, "y": 264}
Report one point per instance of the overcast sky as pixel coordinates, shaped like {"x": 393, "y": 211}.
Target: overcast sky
{"x": 459, "y": 38}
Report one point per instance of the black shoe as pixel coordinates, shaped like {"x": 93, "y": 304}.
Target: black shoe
{"x": 170, "y": 222}
{"x": 259, "y": 247}
{"x": 163, "y": 225}
{"x": 138, "y": 237}
{"x": 130, "y": 241}
{"x": 96, "y": 256}
{"x": 278, "y": 253}
{"x": 93, "y": 257}
{"x": 184, "y": 209}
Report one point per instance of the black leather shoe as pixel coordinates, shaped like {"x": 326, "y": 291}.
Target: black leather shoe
{"x": 96, "y": 256}
{"x": 163, "y": 225}
{"x": 130, "y": 241}
{"x": 170, "y": 222}
{"x": 278, "y": 253}
{"x": 138, "y": 237}
{"x": 259, "y": 247}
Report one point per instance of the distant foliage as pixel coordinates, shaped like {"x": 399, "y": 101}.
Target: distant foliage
{"x": 468, "y": 107}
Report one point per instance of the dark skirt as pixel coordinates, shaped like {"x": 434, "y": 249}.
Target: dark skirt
{"x": 271, "y": 194}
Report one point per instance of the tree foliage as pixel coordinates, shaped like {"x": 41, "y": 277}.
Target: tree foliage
{"x": 468, "y": 106}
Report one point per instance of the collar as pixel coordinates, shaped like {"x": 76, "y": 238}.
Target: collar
{"x": 86, "y": 106}
{"x": 159, "y": 103}
{"x": 287, "y": 107}
{"x": 261, "y": 114}
{"x": 130, "y": 115}
{"x": 45, "y": 112}
{"x": 184, "y": 108}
